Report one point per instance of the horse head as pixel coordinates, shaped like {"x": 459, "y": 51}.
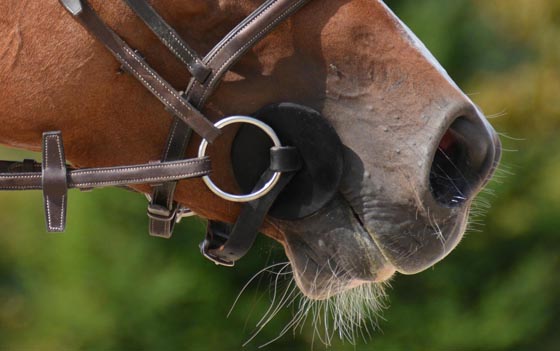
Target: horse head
{"x": 416, "y": 148}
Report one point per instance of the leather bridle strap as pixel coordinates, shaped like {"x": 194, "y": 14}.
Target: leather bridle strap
{"x": 224, "y": 243}
{"x": 18, "y": 176}
{"x": 133, "y": 63}
{"x": 219, "y": 60}
{"x": 54, "y": 177}
{"x": 54, "y": 181}
{"x": 229, "y": 50}
{"x": 170, "y": 38}
{"x": 234, "y": 45}
{"x": 161, "y": 210}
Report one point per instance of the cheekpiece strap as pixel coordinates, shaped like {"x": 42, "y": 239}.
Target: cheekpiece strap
{"x": 170, "y": 38}
{"x": 135, "y": 64}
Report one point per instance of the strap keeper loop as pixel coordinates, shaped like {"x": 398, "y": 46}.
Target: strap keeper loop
{"x": 161, "y": 213}
{"x": 54, "y": 181}
{"x": 162, "y": 220}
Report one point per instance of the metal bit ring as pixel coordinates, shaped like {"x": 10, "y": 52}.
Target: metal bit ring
{"x": 266, "y": 187}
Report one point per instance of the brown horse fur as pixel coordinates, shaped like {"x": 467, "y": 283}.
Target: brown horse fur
{"x": 351, "y": 60}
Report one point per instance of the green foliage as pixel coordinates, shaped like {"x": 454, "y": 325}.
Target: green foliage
{"x": 106, "y": 285}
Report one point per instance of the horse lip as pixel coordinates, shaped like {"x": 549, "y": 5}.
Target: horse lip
{"x": 371, "y": 265}
{"x": 419, "y": 259}
{"x": 379, "y": 247}
{"x": 387, "y": 269}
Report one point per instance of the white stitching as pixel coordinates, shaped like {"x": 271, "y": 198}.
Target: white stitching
{"x": 61, "y": 213}
{"x": 240, "y": 30}
{"x": 190, "y": 121}
{"x": 170, "y": 141}
{"x": 51, "y": 227}
{"x": 17, "y": 176}
{"x": 141, "y": 180}
{"x": 57, "y": 139}
{"x": 137, "y": 168}
{"x": 47, "y": 201}
{"x": 20, "y": 187}
{"x": 151, "y": 88}
{"x": 180, "y": 42}
{"x": 221, "y": 48}
{"x": 218, "y": 73}
{"x": 170, "y": 47}
{"x": 174, "y": 93}
{"x": 59, "y": 149}
{"x": 46, "y": 147}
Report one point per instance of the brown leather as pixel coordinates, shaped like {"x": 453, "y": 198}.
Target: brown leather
{"x": 133, "y": 63}
{"x": 162, "y": 207}
{"x": 55, "y": 177}
{"x": 225, "y": 244}
{"x": 219, "y": 60}
{"x": 234, "y": 45}
{"x": 54, "y": 182}
{"x": 206, "y": 73}
{"x": 170, "y": 38}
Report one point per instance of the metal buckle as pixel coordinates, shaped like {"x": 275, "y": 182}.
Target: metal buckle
{"x": 161, "y": 213}
{"x": 72, "y": 6}
{"x": 204, "y": 250}
{"x": 268, "y": 186}
{"x": 183, "y": 212}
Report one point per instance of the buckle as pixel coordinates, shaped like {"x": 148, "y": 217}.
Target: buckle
{"x": 205, "y": 251}
{"x": 72, "y": 6}
{"x": 183, "y": 212}
{"x": 161, "y": 213}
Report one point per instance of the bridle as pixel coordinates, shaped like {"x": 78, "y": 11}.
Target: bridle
{"x": 311, "y": 164}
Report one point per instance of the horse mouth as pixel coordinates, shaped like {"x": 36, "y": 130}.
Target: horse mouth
{"x": 362, "y": 237}
{"x": 333, "y": 251}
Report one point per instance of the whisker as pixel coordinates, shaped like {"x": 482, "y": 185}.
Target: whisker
{"x": 266, "y": 269}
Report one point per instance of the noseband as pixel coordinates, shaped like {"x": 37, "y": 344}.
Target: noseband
{"x": 291, "y": 167}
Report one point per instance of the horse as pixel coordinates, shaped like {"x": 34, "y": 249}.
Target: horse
{"x": 417, "y": 150}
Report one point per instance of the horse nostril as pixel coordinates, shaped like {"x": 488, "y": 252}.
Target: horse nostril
{"x": 463, "y": 161}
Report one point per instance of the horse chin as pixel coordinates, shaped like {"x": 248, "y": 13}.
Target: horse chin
{"x": 332, "y": 252}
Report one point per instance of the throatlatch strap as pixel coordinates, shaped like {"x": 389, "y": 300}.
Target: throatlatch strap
{"x": 170, "y": 38}
{"x": 54, "y": 182}
{"x": 133, "y": 63}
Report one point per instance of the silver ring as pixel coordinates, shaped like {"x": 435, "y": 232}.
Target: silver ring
{"x": 268, "y": 186}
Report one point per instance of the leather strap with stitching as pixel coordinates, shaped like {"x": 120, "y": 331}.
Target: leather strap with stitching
{"x": 133, "y": 63}
{"x": 170, "y": 38}
{"x": 257, "y": 25}
{"x": 54, "y": 182}
{"x": 162, "y": 207}
{"x": 54, "y": 177}
{"x": 88, "y": 178}
{"x": 225, "y": 244}
{"x": 234, "y": 45}
{"x": 206, "y": 76}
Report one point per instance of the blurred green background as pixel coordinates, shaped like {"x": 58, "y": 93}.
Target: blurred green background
{"x": 106, "y": 285}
